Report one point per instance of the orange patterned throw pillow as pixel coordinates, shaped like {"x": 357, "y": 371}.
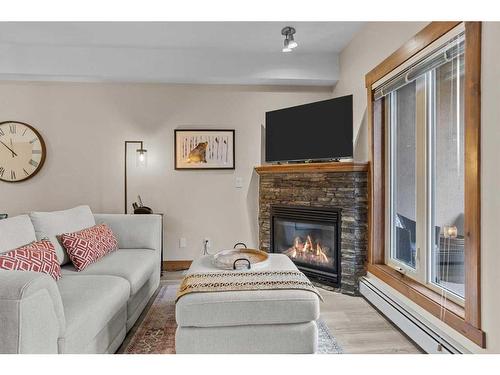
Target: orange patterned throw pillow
{"x": 87, "y": 246}
{"x": 37, "y": 256}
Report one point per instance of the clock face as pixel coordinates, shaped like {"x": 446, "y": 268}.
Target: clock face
{"x": 22, "y": 151}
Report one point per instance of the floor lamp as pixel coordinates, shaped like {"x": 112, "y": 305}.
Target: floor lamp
{"x": 141, "y": 159}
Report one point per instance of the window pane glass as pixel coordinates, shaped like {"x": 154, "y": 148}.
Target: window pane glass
{"x": 403, "y": 172}
{"x": 447, "y": 221}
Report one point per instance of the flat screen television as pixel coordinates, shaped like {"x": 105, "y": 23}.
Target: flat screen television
{"x": 311, "y": 132}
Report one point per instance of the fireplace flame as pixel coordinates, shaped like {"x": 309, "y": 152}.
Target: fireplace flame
{"x": 308, "y": 251}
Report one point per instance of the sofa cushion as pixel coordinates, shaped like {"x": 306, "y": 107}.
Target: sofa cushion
{"x": 90, "y": 302}
{"x": 134, "y": 265}
{"x": 15, "y": 232}
{"x": 37, "y": 257}
{"x": 88, "y": 245}
{"x": 51, "y": 224}
{"x": 140, "y": 299}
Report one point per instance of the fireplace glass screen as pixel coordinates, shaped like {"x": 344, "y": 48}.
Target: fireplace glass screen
{"x": 307, "y": 244}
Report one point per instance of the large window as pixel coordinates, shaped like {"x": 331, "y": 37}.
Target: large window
{"x": 424, "y": 117}
{"x": 425, "y": 169}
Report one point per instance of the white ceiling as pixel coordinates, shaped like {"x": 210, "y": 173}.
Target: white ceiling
{"x": 173, "y": 52}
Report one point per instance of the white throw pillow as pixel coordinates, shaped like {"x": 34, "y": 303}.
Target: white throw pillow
{"x": 52, "y": 224}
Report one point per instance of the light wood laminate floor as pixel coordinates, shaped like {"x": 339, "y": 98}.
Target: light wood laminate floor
{"x": 357, "y": 326}
{"x": 360, "y": 328}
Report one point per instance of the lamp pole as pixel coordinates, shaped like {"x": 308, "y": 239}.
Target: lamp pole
{"x": 141, "y": 149}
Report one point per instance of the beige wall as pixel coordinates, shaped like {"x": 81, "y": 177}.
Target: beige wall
{"x": 85, "y": 125}
{"x": 369, "y": 47}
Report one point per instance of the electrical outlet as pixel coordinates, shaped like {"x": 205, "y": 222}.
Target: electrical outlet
{"x": 182, "y": 242}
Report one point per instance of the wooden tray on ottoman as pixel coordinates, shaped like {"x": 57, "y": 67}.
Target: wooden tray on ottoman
{"x": 240, "y": 258}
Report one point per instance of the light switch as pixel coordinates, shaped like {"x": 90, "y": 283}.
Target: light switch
{"x": 238, "y": 182}
{"x": 182, "y": 242}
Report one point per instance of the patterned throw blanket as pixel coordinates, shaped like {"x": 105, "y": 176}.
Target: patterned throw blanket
{"x": 239, "y": 281}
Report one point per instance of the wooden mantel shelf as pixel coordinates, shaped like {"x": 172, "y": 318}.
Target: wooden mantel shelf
{"x": 313, "y": 167}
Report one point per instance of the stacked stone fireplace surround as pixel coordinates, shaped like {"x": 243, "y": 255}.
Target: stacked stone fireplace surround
{"x": 347, "y": 190}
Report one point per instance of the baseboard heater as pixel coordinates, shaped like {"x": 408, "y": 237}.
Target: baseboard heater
{"x": 424, "y": 334}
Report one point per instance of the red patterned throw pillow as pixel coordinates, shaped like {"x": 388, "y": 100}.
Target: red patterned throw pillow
{"x": 89, "y": 245}
{"x": 37, "y": 256}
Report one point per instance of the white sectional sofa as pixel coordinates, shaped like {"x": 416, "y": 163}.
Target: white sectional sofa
{"x": 84, "y": 312}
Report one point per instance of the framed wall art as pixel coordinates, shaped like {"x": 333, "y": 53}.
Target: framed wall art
{"x": 204, "y": 149}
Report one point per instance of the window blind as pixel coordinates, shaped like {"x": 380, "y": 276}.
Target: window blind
{"x": 447, "y": 52}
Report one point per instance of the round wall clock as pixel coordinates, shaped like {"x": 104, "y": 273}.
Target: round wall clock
{"x": 22, "y": 151}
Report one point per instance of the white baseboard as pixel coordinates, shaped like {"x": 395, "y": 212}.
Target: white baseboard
{"x": 430, "y": 338}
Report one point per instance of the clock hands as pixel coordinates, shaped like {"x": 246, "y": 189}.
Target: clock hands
{"x": 11, "y": 150}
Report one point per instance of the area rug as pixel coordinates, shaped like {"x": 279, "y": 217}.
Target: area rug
{"x": 155, "y": 333}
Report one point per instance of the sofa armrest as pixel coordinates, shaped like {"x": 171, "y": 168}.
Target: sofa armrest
{"x": 134, "y": 231}
{"x": 31, "y": 313}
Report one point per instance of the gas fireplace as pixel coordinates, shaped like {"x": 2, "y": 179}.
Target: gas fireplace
{"x": 310, "y": 236}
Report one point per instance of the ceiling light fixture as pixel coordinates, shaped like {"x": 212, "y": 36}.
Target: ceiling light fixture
{"x": 289, "y": 43}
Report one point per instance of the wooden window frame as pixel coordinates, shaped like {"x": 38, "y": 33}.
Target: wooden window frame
{"x": 466, "y": 319}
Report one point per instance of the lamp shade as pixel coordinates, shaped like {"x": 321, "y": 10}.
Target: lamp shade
{"x": 291, "y": 41}
{"x": 450, "y": 231}
{"x": 141, "y": 158}
{"x": 286, "y": 47}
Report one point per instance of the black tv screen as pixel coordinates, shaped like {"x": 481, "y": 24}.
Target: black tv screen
{"x": 315, "y": 131}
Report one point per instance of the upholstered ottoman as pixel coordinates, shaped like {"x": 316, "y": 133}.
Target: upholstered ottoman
{"x": 253, "y": 321}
